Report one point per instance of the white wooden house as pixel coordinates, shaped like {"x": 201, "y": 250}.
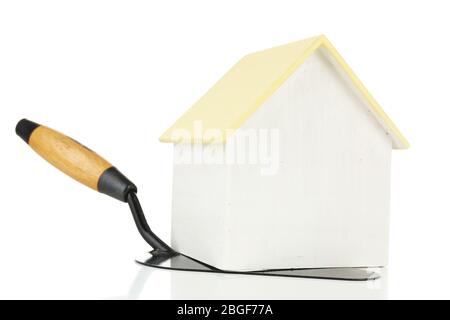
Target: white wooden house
{"x": 284, "y": 163}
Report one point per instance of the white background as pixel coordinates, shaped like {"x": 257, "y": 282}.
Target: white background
{"x": 115, "y": 74}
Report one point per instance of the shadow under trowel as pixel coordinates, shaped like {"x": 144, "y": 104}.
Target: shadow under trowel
{"x": 198, "y": 285}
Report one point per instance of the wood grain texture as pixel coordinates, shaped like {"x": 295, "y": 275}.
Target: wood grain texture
{"x": 69, "y": 156}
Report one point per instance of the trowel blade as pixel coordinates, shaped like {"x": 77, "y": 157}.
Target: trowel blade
{"x": 185, "y": 263}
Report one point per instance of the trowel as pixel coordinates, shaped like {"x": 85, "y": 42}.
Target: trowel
{"x": 88, "y": 168}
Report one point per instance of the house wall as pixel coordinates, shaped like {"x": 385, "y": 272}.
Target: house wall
{"x": 326, "y": 205}
{"x": 199, "y": 212}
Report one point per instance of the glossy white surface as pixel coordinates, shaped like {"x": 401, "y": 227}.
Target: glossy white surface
{"x": 103, "y": 72}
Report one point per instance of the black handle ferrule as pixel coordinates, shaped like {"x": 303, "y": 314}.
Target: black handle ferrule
{"x": 114, "y": 184}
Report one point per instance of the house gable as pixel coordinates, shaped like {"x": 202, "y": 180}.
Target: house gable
{"x": 248, "y": 84}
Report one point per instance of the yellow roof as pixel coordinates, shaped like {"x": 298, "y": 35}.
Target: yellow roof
{"x": 241, "y": 91}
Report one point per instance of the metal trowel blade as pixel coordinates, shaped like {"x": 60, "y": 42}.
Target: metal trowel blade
{"x": 181, "y": 262}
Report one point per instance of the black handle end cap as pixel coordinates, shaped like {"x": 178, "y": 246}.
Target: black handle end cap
{"x": 25, "y": 128}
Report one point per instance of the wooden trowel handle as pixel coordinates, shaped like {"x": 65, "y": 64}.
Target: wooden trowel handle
{"x": 75, "y": 160}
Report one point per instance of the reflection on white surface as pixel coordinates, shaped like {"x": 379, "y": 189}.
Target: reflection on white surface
{"x": 200, "y": 285}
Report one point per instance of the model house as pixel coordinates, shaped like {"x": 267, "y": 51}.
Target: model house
{"x": 284, "y": 163}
